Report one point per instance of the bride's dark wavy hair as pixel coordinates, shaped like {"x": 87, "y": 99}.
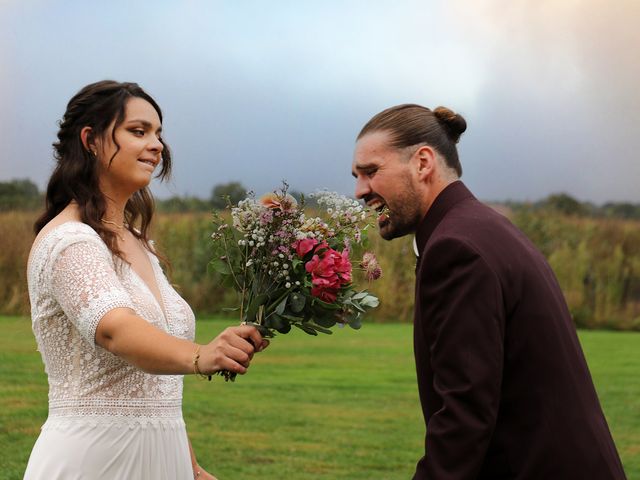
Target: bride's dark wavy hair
{"x": 76, "y": 175}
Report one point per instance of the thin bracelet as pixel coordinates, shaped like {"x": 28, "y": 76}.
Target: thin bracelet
{"x": 196, "y": 370}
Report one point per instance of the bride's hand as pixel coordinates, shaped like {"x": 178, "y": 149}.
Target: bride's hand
{"x": 202, "y": 474}
{"x": 232, "y": 350}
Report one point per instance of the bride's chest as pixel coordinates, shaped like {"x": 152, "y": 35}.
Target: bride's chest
{"x": 163, "y": 308}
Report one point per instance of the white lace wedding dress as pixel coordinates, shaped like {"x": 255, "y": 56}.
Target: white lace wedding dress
{"x": 107, "y": 419}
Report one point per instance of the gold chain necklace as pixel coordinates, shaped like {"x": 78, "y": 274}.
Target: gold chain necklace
{"x": 119, "y": 228}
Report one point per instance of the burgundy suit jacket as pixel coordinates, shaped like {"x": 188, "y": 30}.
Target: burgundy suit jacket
{"x": 504, "y": 386}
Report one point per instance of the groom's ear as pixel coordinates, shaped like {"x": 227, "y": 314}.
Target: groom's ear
{"x": 426, "y": 163}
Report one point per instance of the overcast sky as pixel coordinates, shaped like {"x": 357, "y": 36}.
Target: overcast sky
{"x": 259, "y": 91}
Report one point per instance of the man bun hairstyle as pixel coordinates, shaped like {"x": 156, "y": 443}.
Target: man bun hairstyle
{"x": 454, "y": 124}
{"x": 410, "y": 124}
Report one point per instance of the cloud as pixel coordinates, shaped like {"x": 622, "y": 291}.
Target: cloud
{"x": 259, "y": 91}
{"x": 559, "y": 108}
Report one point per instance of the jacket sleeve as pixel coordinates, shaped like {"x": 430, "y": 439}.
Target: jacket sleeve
{"x": 463, "y": 332}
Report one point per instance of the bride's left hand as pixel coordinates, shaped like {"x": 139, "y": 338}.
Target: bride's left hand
{"x": 202, "y": 474}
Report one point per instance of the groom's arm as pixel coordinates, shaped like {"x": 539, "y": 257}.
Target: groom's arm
{"x": 461, "y": 305}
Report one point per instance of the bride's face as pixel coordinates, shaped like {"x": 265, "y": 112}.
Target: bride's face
{"x": 127, "y": 165}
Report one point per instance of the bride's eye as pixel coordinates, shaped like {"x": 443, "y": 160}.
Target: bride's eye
{"x": 138, "y": 132}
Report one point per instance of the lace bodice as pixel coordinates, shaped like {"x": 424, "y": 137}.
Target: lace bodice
{"x": 73, "y": 281}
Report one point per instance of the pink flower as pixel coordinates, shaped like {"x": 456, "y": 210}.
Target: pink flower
{"x": 330, "y": 270}
{"x": 371, "y": 266}
{"x": 266, "y": 217}
{"x": 304, "y": 246}
{"x": 343, "y": 265}
{"x": 328, "y": 295}
{"x": 320, "y": 267}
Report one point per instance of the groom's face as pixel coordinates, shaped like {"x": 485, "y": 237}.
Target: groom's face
{"x": 385, "y": 180}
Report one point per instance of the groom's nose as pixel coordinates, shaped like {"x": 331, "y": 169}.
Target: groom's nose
{"x": 362, "y": 187}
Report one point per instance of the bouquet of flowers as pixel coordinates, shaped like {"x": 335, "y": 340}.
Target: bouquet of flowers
{"x": 291, "y": 270}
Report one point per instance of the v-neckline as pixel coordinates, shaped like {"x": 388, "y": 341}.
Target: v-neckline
{"x": 159, "y": 301}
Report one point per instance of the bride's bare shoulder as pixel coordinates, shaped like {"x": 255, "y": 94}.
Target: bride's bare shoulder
{"x": 69, "y": 214}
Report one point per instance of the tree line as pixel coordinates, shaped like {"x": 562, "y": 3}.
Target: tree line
{"x": 24, "y": 195}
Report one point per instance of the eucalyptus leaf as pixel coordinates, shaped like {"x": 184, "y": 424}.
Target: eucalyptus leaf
{"x": 281, "y": 306}
{"x": 356, "y": 324}
{"x": 321, "y": 329}
{"x": 220, "y": 266}
{"x": 292, "y": 318}
{"x": 357, "y": 306}
{"x": 296, "y": 302}
{"x": 370, "y": 301}
{"x": 325, "y": 305}
{"x": 286, "y": 328}
{"x": 306, "y": 329}
{"x": 324, "y": 320}
{"x": 252, "y": 309}
{"x": 275, "y": 322}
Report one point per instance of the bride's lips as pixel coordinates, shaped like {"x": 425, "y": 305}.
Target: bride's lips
{"x": 151, "y": 163}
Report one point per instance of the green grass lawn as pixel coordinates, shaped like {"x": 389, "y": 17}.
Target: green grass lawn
{"x": 333, "y": 407}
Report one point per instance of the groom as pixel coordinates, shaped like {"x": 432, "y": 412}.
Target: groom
{"x": 504, "y": 386}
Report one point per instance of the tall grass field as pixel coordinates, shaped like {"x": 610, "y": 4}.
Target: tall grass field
{"x": 343, "y": 406}
{"x": 597, "y": 262}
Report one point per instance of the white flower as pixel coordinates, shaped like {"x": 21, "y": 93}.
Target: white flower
{"x": 287, "y": 285}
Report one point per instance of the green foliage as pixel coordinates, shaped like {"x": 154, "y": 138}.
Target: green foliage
{"x": 565, "y": 204}
{"x": 623, "y": 210}
{"x": 337, "y": 408}
{"x": 224, "y": 193}
{"x": 178, "y": 204}
{"x": 597, "y": 263}
{"x": 19, "y": 195}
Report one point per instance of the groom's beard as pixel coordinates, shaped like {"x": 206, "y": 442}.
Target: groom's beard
{"x": 404, "y": 214}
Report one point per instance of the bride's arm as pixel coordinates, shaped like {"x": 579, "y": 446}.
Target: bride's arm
{"x": 85, "y": 284}
{"x": 198, "y": 472}
{"x": 132, "y": 338}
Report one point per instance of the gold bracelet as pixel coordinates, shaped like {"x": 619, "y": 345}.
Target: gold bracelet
{"x": 196, "y": 370}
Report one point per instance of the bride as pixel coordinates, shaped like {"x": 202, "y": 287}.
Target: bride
{"x": 114, "y": 336}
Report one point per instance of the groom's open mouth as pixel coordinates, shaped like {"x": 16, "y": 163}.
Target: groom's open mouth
{"x": 382, "y": 209}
